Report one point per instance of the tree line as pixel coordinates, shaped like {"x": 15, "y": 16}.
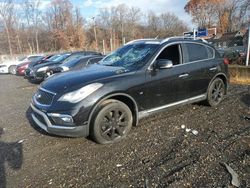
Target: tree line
{"x": 27, "y": 27}
{"x": 226, "y": 15}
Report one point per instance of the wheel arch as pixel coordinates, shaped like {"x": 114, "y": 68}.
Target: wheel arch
{"x": 123, "y": 97}
{"x": 224, "y": 79}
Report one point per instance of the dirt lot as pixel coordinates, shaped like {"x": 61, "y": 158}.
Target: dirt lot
{"x": 157, "y": 153}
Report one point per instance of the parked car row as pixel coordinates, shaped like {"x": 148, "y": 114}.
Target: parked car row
{"x": 37, "y": 72}
{"x": 11, "y": 65}
{"x": 37, "y": 68}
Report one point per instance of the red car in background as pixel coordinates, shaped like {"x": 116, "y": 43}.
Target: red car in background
{"x": 20, "y": 69}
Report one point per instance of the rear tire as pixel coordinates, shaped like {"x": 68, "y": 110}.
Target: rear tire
{"x": 216, "y": 92}
{"x": 111, "y": 122}
{"x": 12, "y": 69}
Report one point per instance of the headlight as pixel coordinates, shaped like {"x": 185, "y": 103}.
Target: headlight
{"x": 42, "y": 69}
{"x": 65, "y": 68}
{"x": 80, "y": 94}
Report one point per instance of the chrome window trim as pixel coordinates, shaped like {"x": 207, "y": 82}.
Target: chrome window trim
{"x": 167, "y": 45}
{"x": 181, "y": 42}
{"x": 192, "y": 42}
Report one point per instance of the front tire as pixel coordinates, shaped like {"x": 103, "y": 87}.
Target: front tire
{"x": 12, "y": 69}
{"x": 112, "y": 122}
{"x": 216, "y": 92}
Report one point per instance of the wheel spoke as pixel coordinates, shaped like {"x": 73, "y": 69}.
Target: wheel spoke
{"x": 119, "y": 131}
{"x": 213, "y": 96}
{"x": 112, "y": 134}
{"x": 106, "y": 131}
{"x": 122, "y": 124}
{"x": 116, "y": 114}
{"x": 121, "y": 117}
{"x": 219, "y": 86}
{"x": 109, "y": 116}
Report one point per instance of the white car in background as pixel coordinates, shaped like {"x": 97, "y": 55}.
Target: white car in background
{"x": 9, "y": 66}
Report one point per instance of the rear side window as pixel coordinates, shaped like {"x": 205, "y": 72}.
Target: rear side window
{"x": 210, "y": 52}
{"x": 196, "y": 52}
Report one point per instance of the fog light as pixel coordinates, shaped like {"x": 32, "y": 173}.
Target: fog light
{"x": 67, "y": 119}
{"x": 61, "y": 119}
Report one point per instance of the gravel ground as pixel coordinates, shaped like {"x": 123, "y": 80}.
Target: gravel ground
{"x": 157, "y": 153}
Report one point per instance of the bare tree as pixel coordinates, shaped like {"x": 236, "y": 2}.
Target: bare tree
{"x": 6, "y": 17}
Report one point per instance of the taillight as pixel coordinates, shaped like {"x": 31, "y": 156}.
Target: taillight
{"x": 226, "y": 61}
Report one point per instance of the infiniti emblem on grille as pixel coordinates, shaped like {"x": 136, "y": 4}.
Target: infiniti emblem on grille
{"x": 38, "y": 95}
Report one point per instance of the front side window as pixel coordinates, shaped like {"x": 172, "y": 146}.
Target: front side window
{"x": 171, "y": 53}
{"x": 130, "y": 56}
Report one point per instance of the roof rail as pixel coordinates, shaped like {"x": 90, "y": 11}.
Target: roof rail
{"x": 137, "y": 40}
{"x": 183, "y": 37}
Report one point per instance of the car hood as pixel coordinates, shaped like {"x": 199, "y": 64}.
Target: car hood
{"x": 23, "y": 64}
{"x": 72, "y": 80}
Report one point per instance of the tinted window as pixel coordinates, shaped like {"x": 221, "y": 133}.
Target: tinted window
{"x": 210, "y": 52}
{"x": 95, "y": 60}
{"x": 73, "y": 57}
{"x": 35, "y": 58}
{"x": 197, "y": 52}
{"x": 76, "y": 61}
{"x": 61, "y": 57}
{"x": 171, "y": 53}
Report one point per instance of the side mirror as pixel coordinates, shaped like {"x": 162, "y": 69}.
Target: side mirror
{"x": 163, "y": 64}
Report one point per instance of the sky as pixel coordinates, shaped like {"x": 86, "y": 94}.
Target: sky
{"x": 89, "y": 8}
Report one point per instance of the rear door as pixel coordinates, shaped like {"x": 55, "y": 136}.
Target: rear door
{"x": 201, "y": 67}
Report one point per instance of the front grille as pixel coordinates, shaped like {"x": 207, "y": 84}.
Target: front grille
{"x": 44, "y": 97}
{"x": 57, "y": 69}
{"x": 27, "y": 71}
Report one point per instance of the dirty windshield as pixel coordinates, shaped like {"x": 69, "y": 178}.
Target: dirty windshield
{"x": 130, "y": 56}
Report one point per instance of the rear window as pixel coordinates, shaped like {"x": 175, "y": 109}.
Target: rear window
{"x": 198, "y": 52}
{"x": 35, "y": 58}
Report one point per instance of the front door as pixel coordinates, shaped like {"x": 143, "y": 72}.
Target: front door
{"x": 166, "y": 86}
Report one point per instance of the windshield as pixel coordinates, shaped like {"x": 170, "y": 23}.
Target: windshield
{"x": 72, "y": 57}
{"x": 61, "y": 57}
{"x": 35, "y": 58}
{"x": 21, "y": 58}
{"x": 71, "y": 63}
{"x": 52, "y": 58}
{"x": 129, "y": 56}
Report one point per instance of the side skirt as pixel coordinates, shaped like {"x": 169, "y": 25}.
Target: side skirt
{"x": 152, "y": 111}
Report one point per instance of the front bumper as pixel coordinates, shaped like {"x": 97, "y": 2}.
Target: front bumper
{"x": 42, "y": 120}
{"x": 4, "y": 70}
{"x": 20, "y": 72}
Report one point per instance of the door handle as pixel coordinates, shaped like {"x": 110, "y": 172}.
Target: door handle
{"x": 213, "y": 69}
{"x": 183, "y": 75}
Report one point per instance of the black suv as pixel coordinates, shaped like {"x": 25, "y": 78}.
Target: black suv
{"x": 141, "y": 78}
